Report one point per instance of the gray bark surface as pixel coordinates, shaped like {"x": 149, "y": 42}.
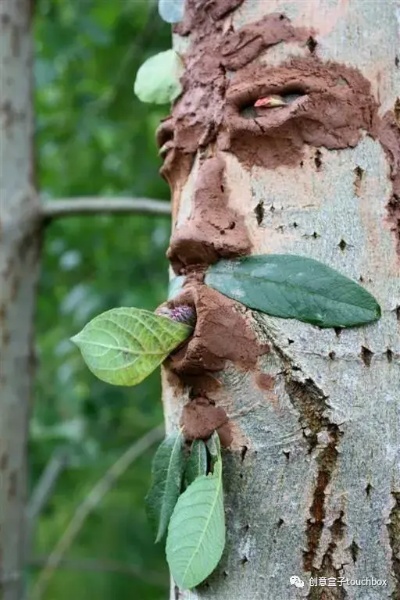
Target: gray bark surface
{"x": 317, "y": 492}
{"x": 19, "y": 257}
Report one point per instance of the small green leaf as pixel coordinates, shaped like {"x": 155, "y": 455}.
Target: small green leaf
{"x": 124, "y": 345}
{"x": 197, "y": 462}
{"x": 196, "y": 532}
{"x": 294, "y": 287}
{"x": 214, "y": 446}
{"x": 171, "y": 11}
{"x": 167, "y": 471}
{"x": 158, "y": 79}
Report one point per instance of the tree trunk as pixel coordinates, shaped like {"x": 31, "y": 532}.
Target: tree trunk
{"x": 19, "y": 259}
{"x": 311, "y": 475}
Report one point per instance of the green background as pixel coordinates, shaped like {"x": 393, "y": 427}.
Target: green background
{"x": 93, "y": 137}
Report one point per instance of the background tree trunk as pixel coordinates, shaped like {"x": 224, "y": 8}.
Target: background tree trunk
{"x": 19, "y": 260}
{"x": 312, "y": 476}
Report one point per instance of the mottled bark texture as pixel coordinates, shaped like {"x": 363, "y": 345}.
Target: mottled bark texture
{"x": 311, "y": 473}
{"x": 19, "y": 237}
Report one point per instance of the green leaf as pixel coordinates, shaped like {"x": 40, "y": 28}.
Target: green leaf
{"x": 294, "y": 287}
{"x": 196, "y": 533}
{"x": 124, "y": 345}
{"x": 197, "y": 462}
{"x": 214, "y": 446}
{"x": 167, "y": 471}
{"x": 158, "y": 79}
{"x": 171, "y": 11}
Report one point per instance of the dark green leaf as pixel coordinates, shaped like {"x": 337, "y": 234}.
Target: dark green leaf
{"x": 294, "y": 287}
{"x": 167, "y": 471}
{"x": 197, "y": 462}
{"x": 196, "y": 533}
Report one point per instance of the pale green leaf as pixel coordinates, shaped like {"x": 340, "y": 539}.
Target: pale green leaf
{"x": 197, "y": 462}
{"x": 167, "y": 470}
{"x": 196, "y": 533}
{"x": 214, "y": 446}
{"x": 171, "y": 11}
{"x": 158, "y": 79}
{"x": 124, "y": 345}
{"x": 294, "y": 287}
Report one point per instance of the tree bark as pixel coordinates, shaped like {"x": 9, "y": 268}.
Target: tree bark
{"x": 311, "y": 476}
{"x": 19, "y": 261}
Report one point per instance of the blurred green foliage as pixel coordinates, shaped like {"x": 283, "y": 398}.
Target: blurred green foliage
{"x": 95, "y": 138}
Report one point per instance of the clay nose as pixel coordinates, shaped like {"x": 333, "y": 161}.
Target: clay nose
{"x": 213, "y": 230}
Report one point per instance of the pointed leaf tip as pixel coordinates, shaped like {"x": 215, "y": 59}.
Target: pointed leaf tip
{"x": 196, "y": 532}
{"x": 124, "y": 345}
{"x": 294, "y": 287}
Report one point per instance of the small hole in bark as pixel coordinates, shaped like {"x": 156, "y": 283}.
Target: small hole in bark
{"x": 280, "y": 523}
{"x": 338, "y": 331}
{"x": 222, "y": 188}
{"x": 354, "y": 549}
{"x": 366, "y": 356}
{"x": 243, "y": 453}
{"x": 332, "y": 355}
{"x": 311, "y": 44}
{"x": 259, "y": 212}
{"x": 295, "y": 225}
{"x": 368, "y": 489}
{"x": 302, "y": 163}
{"x": 241, "y": 475}
{"x": 290, "y": 341}
{"x": 244, "y": 560}
{"x": 389, "y": 355}
{"x": 281, "y": 17}
{"x": 246, "y": 528}
{"x": 397, "y": 61}
{"x": 287, "y": 454}
{"x": 397, "y": 310}
{"x": 272, "y": 208}
{"x": 318, "y": 159}
{"x": 342, "y": 245}
{"x": 361, "y": 278}
{"x": 232, "y": 225}
{"x": 225, "y": 574}
{"x": 222, "y": 232}
{"x": 315, "y": 235}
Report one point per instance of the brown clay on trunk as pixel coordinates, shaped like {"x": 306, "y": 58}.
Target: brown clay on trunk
{"x": 200, "y": 418}
{"x": 388, "y": 133}
{"x": 329, "y": 105}
{"x": 246, "y": 44}
{"x": 334, "y": 106}
{"x": 213, "y": 230}
{"x": 223, "y": 332}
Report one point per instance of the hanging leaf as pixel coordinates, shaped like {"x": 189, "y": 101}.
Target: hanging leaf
{"x": 171, "y": 11}
{"x": 158, "y": 79}
{"x": 167, "y": 471}
{"x": 197, "y": 462}
{"x": 124, "y": 345}
{"x": 214, "y": 446}
{"x": 294, "y": 287}
{"x": 196, "y": 533}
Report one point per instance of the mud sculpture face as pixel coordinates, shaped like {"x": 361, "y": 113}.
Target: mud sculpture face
{"x": 215, "y": 128}
{"x": 329, "y": 105}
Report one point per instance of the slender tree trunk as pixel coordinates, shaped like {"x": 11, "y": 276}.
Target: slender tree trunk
{"x": 311, "y": 477}
{"x": 19, "y": 260}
